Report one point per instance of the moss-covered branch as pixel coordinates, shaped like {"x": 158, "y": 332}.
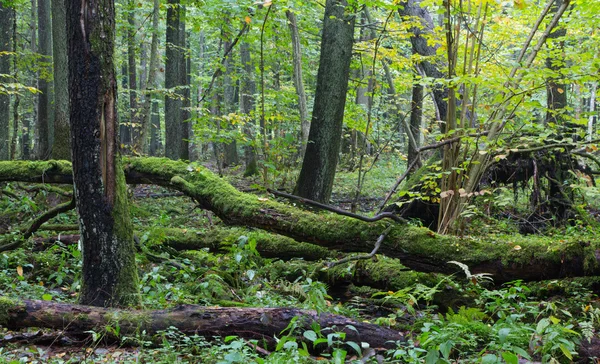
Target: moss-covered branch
{"x": 506, "y": 257}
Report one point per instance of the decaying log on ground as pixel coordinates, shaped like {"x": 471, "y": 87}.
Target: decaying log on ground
{"x": 249, "y": 323}
{"x": 507, "y": 258}
{"x": 380, "y": 272}
{"x": 216, "y": 239}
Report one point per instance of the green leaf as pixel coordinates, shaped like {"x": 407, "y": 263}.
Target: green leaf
{"x": 310, "y": 335}
{"x": 521, "y": 352}
{"x": 510, "y": 358}
{"x": 503, "y": 335}
{"x": 489, "y": 359}
{"x": 354, "y": 346}
{"x": 566, "y": 351}
{"x": 432, "y": 356}
{"x": 47, "y": 297}
{"x": 542, "y": 325}
{"x": 445, "y": 348}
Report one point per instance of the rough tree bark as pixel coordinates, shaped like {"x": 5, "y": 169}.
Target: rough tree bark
{"x": 61, "y": 148}
{"x": 320, "y": 160}
{"x": 506, "y": 257}
{"x": 249, "y": 323}
{"x": 173, "y": 103}
{"x": 109, "y": 275}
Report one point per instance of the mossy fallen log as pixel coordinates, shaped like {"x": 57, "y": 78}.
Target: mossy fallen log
{"x": 216, "y": 239}
{"x": 250, "y": 323}
{"x": 381, "y": 272}
{"x": 507, "y": 258}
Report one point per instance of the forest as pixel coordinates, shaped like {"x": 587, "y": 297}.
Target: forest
{"x": 286, "y": 181}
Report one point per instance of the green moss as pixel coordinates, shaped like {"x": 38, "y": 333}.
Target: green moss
{"x": 126, "y": 291}
{"x": 7, "y": 305}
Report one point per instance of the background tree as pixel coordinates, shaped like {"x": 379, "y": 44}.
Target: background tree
{"x": 61, "y": 148}
{"x": 173, "y": 70}
{"x": 43, "y": 131}
{"x": 6, "y": 34}
{"x": 109, "y": 274}
{"x": 320, "y": 161}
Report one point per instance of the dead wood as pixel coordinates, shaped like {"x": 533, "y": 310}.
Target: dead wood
{"x": 249, "y": 323}
{"x": 507, "y": 258}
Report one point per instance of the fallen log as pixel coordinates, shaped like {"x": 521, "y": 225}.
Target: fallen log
{"x": 507, "y": 258}
{"x": 249, "y": 323}
{"x": 380, "y": 272}
{"x": 215, "y": 239}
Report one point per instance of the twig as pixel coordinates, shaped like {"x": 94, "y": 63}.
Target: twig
{"x": 67, "y": 206}
{"x": 218, "y": 72}
{"x": 377, "y": 217}
{"x": 363, "y": 257}
{"x": 393, "y": 190}
{"x": 9, "y": 194}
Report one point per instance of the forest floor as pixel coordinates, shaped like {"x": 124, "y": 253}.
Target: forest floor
{"x": 457, "y": 320}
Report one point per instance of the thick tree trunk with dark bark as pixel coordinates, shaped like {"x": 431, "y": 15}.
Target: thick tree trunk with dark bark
{"x": 109, "y": 275}
{"x": 249, "y": 323}
{"x": 320, "y": 160}
{"x": 173, "y": 104}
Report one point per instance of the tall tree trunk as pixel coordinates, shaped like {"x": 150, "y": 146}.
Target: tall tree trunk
{"x": 298, "y": 82}
{"x": 124, "y": 127}
{"x": 590, "y": 126}
{"x": 558, "y": 203}
{"x": 419, "y": 42}
{"x": 61, "y": 148}
{"x": 28, "y": 122}
{"x": 155, "y": 148}
{"x": 146, "y": 118}
{"x": 230, "y": 156}
{"x": 416, "y": 115}
{"x": 132, "y": 72}
{"x": 6, "y": 24}
{"x": 173, "y": 105}
{"x": 318, "y": 167}
{"x": 247, "y": 101}
{"x": 184, "y": 80}
{"x": 43, "y": 147}
{"x": 17, "y": 99}
{"x": 109, "y": 274}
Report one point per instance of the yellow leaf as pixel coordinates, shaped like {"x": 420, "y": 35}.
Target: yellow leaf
{"x": 520, "y": 4}
{"x": 560, "y": 90}
{"x": 20, "y": 271}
